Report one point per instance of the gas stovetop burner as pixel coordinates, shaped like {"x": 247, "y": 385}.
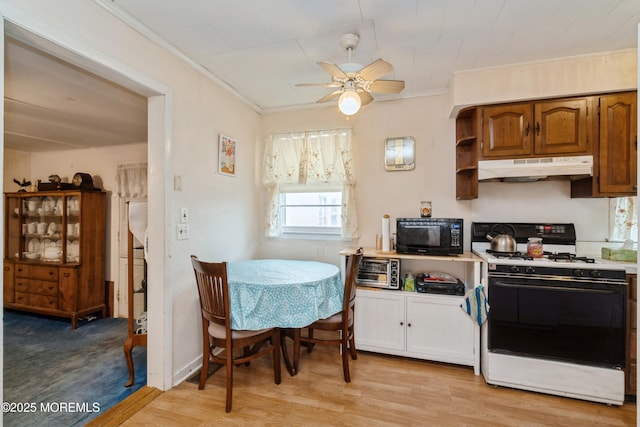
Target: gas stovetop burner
{"x": 510, "y": 255}
{"x": 566, "y": 256}
{"x": 551, "y": 256}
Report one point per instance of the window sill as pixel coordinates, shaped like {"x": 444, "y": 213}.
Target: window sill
{"x": 310, "y": 236}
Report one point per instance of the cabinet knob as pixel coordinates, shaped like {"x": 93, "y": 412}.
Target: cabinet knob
{"x": 66, "y": 274}
{"x": 409, "y": 325}
{"x": 401, "y": 323}
{"x": 527, "y": 129}
{"x": 6, "y": 269}
{"x": 537, "y": 128}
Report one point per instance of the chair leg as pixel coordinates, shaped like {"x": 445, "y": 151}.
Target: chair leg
{"x": 276, "y": 343}
{"x": 352, "y": 346}
{"x": 206, "y": 346}
{"x": 345, "y": 357}
{"x": 229, "y": 379}
{"x": 205, "y": 369}
{"x": 310, "y": 344}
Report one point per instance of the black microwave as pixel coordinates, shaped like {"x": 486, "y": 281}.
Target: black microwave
{"x": 429, "y": 236}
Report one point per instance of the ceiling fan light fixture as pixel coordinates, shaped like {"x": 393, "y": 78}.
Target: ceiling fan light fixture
{"x": 349, "y": 102}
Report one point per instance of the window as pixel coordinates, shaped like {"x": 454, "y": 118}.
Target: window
{"x": 317, "y": 212}
{"x": 309, "y": 179}
{"x": 623, "y": 219}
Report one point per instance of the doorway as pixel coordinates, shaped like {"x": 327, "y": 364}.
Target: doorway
{"x": 158, "y": 361}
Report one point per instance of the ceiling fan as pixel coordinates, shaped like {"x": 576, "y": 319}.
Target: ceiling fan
{"x": 354, "y": 83}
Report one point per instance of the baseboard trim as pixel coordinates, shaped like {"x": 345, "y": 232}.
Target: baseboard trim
{"x": 125, "y": 409}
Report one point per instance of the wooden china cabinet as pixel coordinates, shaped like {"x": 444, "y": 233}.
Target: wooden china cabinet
{"x": 54, "y": 253}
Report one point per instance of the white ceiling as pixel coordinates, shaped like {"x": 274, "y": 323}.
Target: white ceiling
{"x": 262, "y": 48}
{"x": 52, "y": 105}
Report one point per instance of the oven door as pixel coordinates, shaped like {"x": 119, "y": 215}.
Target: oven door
{"x": 554, "y": 318}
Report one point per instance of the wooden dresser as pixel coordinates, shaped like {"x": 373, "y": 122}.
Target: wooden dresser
{"x": 54, "y": 254}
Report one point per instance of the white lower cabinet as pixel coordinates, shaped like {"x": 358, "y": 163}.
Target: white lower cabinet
{"x": 420, "y": 325}
{"x": 423, "y": 326}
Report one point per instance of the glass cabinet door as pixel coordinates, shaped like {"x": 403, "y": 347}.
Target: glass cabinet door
{"x": 72, "y": 249}
{"x": 14, "y": 230}
{"x": 42, "y": 228}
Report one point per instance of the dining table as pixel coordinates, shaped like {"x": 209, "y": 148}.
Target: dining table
{"x": 284, "y": 293}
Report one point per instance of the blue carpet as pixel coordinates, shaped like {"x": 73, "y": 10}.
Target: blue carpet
{"x": 65, "y": 377}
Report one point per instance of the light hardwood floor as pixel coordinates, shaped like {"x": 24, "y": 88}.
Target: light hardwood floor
{"x": 385, "y": 391}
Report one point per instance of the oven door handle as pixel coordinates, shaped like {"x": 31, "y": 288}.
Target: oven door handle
{"x": 578, "y": 287}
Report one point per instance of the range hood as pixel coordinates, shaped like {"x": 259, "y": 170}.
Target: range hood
{"x": 535, "y": 169}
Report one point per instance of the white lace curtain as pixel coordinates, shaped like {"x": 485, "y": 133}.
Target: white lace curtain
{"x": 625, "y": 219}
{"x": 131, "y": 180}
{"x": 319, "y": 158}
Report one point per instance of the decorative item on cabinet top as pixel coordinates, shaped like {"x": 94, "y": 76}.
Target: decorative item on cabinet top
{"x": 81, "y": 181}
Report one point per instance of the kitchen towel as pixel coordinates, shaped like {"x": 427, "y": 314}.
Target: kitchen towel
{"x": 475, "y": 304}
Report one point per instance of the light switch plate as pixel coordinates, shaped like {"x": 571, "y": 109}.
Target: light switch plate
{"x": 184, "y": 215}
{"x": 183, "y": 231}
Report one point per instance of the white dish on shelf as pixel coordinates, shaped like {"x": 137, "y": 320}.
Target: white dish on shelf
{"x": 34, "y": 245}
{"x": 31, "y": 255}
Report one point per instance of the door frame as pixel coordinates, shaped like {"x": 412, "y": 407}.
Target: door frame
{"x": 36, "y": 33}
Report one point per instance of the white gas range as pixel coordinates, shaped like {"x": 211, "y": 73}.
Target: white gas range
{"x": 556, "y": 324}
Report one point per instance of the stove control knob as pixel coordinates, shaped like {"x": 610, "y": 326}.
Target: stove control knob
{"x": 595, "y": 273}
{"x": 515, "y": 269}
{"x": 530, "y": 270}
{"x": 578, "y": 273}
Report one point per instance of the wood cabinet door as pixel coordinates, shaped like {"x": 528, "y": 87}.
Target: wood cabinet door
{"x": 8, "y": 278}
{"x": 632, "y": 307}
{"x": 618, "y": 144}
{"x": 562, "y": 127}
{"x": 68, "y": 289}
{"x": 507, "y": 131}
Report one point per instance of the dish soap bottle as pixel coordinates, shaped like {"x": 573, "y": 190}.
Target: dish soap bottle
{"x": 409, "y": 283}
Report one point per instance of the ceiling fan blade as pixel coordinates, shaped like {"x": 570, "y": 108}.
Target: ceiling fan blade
{"x": 386, "y": 86}
{"x": 365, "y": 98}
{"x": 375, "y": 70}
{"x": 334, "y": 84}
{"x": 333, "y": 69}
{"x": 331, "y": 96}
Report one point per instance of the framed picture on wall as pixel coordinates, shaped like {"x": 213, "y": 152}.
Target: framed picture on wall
{"x": 226, "y": 156}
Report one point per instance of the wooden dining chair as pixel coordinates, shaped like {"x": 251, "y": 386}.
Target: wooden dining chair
{"x": 341, "y": 322}
{"x": 213, "y": 289}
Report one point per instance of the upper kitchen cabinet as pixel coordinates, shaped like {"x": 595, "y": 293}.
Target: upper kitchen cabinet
{"x": 540, "y": 129}
{"x": 615, "y": 165}
{"x": 467, "y": 137}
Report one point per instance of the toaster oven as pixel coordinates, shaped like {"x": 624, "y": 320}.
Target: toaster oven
{"x": 379, "y": 273}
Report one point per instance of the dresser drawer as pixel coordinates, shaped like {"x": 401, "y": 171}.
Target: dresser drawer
{"x": 42, "y": 287}
{"x": 43, "y": 301}
{"x": 41, "y": 272}
{"x": 22, "y": 298}
{"x": 33, "y": 300}
{"x": 39, "y": 287}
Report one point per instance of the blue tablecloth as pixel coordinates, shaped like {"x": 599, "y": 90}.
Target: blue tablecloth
{"x": 284, "y": 293}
